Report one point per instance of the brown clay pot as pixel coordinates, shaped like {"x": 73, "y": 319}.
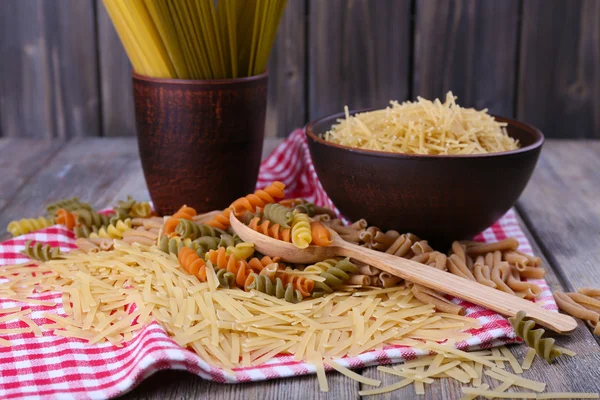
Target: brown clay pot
{"x": 440, "y": 198}
{"x": 200, "y": 141}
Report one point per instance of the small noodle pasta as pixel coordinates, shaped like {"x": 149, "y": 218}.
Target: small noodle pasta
{"x": 40, "y": 252}
{"x": 523, "y": 327}
{"x": 301, "y": 231}
{"x": 423, "y": 127}
{"x": 26, "y": 225}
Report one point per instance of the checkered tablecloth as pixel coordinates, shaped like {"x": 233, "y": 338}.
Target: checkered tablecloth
{"x": 65, "y": 368}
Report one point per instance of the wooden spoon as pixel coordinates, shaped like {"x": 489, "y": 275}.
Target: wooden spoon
{"x": 412, "y": 271}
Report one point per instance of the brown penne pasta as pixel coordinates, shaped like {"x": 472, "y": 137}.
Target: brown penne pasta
{"x": 503, "y": 245}
{"x": 499, "y": 275}
{"x": 532, "y": 272}
{"x": 440, "y": 261}
{"x": 521, "y": 262}
{"x": 513, "y": 280}
{"x": 400, "y": 247}
{"x": 362, "y": 224}
{"x": 458, "y": 267}
{"x": 568, "y": 305}
{"x": 442, "y": 304}
{"x": 458, "y": 249}
{"x": 585, "y": 301}
{"x": 481, "y": 272}
{"x": 321, "y": 218}
{"x": 365, "y": 269}
{"x": 533, "y": 260}
{"x": 421, "y": 247}
{"x": 590, "y": 292}
{"x": 363, "y": 280}
{"x": 139, "y": 239}
{"x": 387, "y": 280}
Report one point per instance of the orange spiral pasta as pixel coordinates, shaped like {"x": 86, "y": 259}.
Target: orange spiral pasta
{"x": 320, "y": 234}
{"x": 257, "y": 265}
{"x": 184, "y": 212}
{"x": 300, "y": 283}
{"x": 193, "y": 264}
{"x": 273, "y": 230}
{"x": 221, "y": 260}
{"x": 66, "y": 218}
{"x": 260, "y": 198}
{"x": 220, "y": 220}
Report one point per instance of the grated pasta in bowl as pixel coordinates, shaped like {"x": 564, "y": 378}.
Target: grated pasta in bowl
{"x": 423, "y": 127}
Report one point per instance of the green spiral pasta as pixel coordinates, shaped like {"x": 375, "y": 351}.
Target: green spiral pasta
{"x": 545, "y": 348}
{"x": 192, "y": 230}
{"x": 205, "y": 243}
{"x": 263, "y": 284}
{"x": 301, "y": 235}
{"x": 278, "y": 214}
{"x": 83, "y": 231}
{"x": 306, "y": 208}
{"x": 335, "y": 272}
{"x": 91, "y": 218}
{"x": 40, "y": 252}
{"x": 227, "y": 240}
{"x": 226, "y": 279}
{"x": 26, "y": 225}
{"x": 173, "y": 245}
{"x": 68, "y": 204}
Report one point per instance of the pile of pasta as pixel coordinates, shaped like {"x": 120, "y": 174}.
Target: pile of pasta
{"x": 423, "y": 127}
{"x": 214, "y": 294}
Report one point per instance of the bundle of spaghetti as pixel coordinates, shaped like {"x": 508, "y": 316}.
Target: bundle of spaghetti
{"x": 423, "y": 127}
{"x": 184, "y": 213}
{"x": 273, "y": 230}
{"x": 221, "y": 260}
{"x": 68, "y": 204}
{"x": 114, "y": 230}
{"x": 26, "y": 225}
{"x": 66, "y": 218}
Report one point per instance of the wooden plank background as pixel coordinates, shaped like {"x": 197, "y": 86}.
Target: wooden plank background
{"x": 64, "y": 73}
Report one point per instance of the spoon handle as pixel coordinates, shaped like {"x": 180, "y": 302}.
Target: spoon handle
{"x": 445, "y": 282}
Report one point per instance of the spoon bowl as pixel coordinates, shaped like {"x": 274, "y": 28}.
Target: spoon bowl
{"x": 412, "y": 271}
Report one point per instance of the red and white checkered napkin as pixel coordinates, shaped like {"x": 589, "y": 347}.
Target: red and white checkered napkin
{"x": 58, "y": 367}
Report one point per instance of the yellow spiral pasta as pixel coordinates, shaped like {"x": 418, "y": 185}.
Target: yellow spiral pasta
{"x": 27, "y": 225}
{"x": 241, "y": 251}
{"x": 113, "y": 231}
{"x": 301, "y": 234}
{"x": 140, "y": 210}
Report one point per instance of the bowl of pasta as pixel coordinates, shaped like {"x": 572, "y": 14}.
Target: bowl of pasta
{"x": 431, "y": 168}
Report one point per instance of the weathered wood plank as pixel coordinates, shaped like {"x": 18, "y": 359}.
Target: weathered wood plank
{"x": 48, "y": 84}
{"x": 561, "y": 376}
{"x": 286, "y": 99}
{"x": 178, "y": 385}
{"x": 92, "y": 169}
{"x": 359, "y": 54}
{"x": 559, "y": 71}
{"x": 118, "y": 117}
{"x": 560, "y": 205}
{"x": 470, "y": 48}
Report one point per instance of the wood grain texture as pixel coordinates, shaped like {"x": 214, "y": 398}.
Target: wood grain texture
{"x": 559, "y": 71}
{"x": 561, "y": 206}
{"x": 469, "y": 47}
{"x": 118, "y": 117}
{"x": 92, "y": 169}
{"x": 48, "y": 81}
{"x": 286, "y": 99}
{"x": 359, "y": 54}
{"x": 20, "y": 160}
{"x": 183, "y": 385}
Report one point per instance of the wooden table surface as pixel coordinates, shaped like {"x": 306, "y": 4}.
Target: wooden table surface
{"x": 559, "y": 210}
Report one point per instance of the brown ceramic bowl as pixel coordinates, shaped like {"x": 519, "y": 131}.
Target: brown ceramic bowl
{"x": 439, "y": 198}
